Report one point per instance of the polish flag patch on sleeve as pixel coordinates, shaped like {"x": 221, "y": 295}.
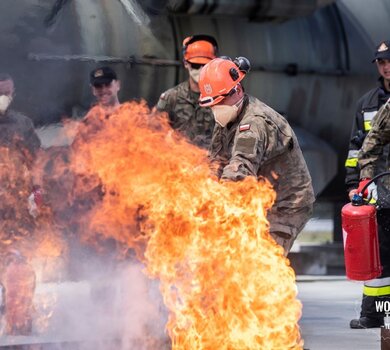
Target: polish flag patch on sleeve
{"x": 244, "y": 127}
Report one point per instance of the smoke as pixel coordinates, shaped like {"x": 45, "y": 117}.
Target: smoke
{"x": 113, "y": 307}
{"x": 87, "y": 297}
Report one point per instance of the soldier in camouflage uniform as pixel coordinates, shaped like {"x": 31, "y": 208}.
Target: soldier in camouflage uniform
{"x": 377, "y": 289}
{"x": 19, "y": 145}
{"x": 181, "y": 102}
{"x": 368, "y": 106}
{"x": 251, "y": 139}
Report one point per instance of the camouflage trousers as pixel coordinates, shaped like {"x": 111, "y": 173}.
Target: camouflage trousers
{"x": 284, "y": 228}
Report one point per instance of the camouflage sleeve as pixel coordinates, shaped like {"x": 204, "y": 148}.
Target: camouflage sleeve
{"x": 217, "y": 156}
{"x": 167, "y": 102}
{"x": 247, "y": 152}
{"x": 377, "y": 138}
{"x": 357, "y": 137}
{"x": 163, "y": 102}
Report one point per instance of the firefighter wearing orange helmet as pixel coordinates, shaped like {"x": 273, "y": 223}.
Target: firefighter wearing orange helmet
{"x": 181, "y": 102}
{"x": 251, "y": 139}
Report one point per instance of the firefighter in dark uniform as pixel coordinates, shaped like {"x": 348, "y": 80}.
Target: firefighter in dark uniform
{"x": 181, "y": 101}
{"x": 367, "y": 108}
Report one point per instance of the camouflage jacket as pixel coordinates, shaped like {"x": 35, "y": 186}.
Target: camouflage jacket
{"x": 261, "y": 143}
{"x": 373, "y": 147}
{"x": 367, "y": 107}
{"x": 185, "y": 114}
{"x": 19, "y": 145}
{"x": 17, "y": 134}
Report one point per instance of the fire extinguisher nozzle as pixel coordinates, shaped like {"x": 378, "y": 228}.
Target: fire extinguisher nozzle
{"x": 357, "y": 199}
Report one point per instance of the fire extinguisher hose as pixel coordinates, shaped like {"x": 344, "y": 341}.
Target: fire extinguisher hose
{"x": 372, "y": 180}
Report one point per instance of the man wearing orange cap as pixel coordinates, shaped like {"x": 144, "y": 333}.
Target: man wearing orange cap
{"x": 251, "y": 139}
{"x": 181, "y": 102}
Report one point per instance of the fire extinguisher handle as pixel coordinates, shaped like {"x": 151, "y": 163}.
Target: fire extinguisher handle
{"x": 369, "y": 183}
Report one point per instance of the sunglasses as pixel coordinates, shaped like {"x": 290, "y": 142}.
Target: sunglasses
{"x": 100, "y": 85}
{"x": 195, "y": 65}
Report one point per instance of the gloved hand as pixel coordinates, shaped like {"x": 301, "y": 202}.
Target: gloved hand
{"x": 371, "y": 192}
{"x": 35, "y": 200}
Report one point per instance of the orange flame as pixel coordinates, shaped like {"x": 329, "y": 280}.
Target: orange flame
{"x": 26, "y": 243}
{"x": 225, "y": 282}
{"x": 19, "y": 282}
{"x": 15, "y": 179}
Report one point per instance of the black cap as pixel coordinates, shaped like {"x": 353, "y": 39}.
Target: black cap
{"x": 102, "y": 75}
{"x": 382, "y": 51}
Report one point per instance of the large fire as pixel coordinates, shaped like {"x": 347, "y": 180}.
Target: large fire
{"x": 26, "y": 243}
{"x": 226, "y": 283}
{"x": 132, "y": 180}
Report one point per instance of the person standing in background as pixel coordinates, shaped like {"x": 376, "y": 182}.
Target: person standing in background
{"x": 181, "y": 102}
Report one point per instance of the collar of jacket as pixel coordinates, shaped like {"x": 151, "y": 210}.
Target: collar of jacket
{"x": 382, "y": 85}
{"x": 193, "y": 95}
{"x": 7, "y": 116}
{"x": 237, "y": 121}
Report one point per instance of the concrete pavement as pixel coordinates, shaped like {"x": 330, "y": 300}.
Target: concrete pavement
{"x": 329, "y": 303}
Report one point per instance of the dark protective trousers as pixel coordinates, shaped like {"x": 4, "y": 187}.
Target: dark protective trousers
{"x": 377, "y": 291}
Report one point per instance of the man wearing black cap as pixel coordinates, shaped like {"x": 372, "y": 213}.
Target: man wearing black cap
{"x": 86, "y": 188}
{"x": 105, "y": 87}
{"x": 367, "y": 108}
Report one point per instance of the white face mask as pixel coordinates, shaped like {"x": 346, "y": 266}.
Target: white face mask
{"x": 5, "y": 101}
{"x": 194, "y": 74}
{"x": 224, "y": 114}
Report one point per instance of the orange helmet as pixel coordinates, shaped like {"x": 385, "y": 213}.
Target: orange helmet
{"x": 199, "y": 49}
{"x": 218, "y": 78}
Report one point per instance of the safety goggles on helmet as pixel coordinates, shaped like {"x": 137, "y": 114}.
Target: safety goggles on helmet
{"x": 213, "y": 100}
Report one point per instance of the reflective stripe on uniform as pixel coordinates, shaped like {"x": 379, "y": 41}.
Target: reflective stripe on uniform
{"x": 376, "y": 291}
{"x": 368, "y": 117}
{"x": 352, "y": 160}
{"x": 378, "y": 282}
{"x": 377, "y": 287}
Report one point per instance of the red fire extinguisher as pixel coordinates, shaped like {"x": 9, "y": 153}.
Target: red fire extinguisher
{"x": 360, "y": 236}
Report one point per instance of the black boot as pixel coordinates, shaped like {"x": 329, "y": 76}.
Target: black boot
{"x": 366, "y": 322}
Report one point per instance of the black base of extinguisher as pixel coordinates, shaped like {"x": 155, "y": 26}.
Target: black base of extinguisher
{"x": 385, "y": 338}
